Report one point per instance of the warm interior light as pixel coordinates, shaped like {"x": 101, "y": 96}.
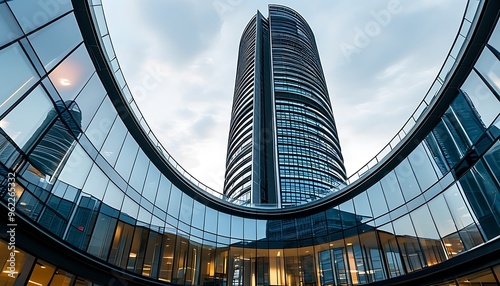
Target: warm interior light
{"x": 279, "y": 253}
{"x": 349, "y": 244}
{"x": 133, "y": 255}
{"x": 43, "y": 267}
{"x": 36, "y": 283}
{"x": 447, "y": 244}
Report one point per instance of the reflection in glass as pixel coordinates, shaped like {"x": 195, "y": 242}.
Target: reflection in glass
{"x": 17, "y": 76}
{"x": 9, "y": 29}
{"x": 54, "y": 139}
{"x": 71, "y": 75}
{"x": 34, "y": 14}
{"x": 56, "y": 40}
{"x": 37, "y": 105}
{"x": 114, "y": 141}
{"x": 392, "y": 191}
{"x": 42, "y": 273}
{"x": 127, "y": 155}
{"x": 489, "y": 67}
{"x": 481, "y": 191}
{"x": 482, "y": 98}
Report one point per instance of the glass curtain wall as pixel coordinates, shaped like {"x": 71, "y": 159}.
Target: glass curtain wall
{"x": 98, "y": 192}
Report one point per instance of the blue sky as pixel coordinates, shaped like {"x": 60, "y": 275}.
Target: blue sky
{"x": 179, "y": 59}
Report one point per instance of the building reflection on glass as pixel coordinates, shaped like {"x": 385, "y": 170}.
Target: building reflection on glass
{"x": 51, "y": 143}
{"x": 54, "y": 139}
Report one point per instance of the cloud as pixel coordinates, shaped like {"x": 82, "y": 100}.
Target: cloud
{"x": 184, "y": 28}
{"x": 195, "y": 46}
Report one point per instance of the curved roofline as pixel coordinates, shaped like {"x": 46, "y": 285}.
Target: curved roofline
{"x": 470, "y": 50}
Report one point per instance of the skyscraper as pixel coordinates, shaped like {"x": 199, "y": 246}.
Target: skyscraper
{"x": 283, "y": 147}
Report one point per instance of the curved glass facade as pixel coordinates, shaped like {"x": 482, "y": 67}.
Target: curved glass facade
{"x": 88, "y": 197}
{"x": 283, "y": 146}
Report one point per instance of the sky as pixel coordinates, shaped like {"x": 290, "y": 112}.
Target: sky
{"x": 179, "y": 59}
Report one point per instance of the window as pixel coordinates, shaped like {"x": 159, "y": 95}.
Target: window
{"x": 33, "y": 14}
{"x": 71, "y": 75}
{"x": 55, "y": 41}
{"x": 21, "y": 130}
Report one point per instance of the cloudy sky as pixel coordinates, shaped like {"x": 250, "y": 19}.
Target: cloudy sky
{"x": 179, "y": 58}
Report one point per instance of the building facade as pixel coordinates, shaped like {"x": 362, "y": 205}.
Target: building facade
{"x": 109, "y": 206}
{"x": 283, "y": 145}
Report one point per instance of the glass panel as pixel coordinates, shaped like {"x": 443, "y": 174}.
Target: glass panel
{"x": 495, "y": 38}
{"x": 114, "y": 142}
{"x": 186, "y": 210}
{"x": 101, "y": 123}
{"x": 496, "y": 268}
{"x": 96, "y": 184}
{"x": 127, "y": 156}
{"x": 168, "y": 257}
{"x": 482, "y": 194}
{"x": 9, "y": 30}
{"x": 163, "y": 194}
{"x": 483, "y": 100}
{"x": 70, "y": 76}
{"x": 391, "y": 250}
{"x": 374, "y": 261}
{"x": 136, "y": 256}
{"x": 422, "y": 167}
{"x": 424, "y": 225}
{"x": 153, "y": 255}
{"x": 89, "y": 99}
{"x": 57, "y": 140}
{"x": 42, "y": 273}
{"x": 121, "y": 244}
{"x": 347, "y": 215}
{"x": 211, "y": 221}
{"x": 6, "y": 270}
{"x": 437, "y": 156}
{"x": 484, "y": 277}
{"x": 377, "y": 200}
{"x": 198, "y": 218}
{"x": 114, "y": 196}
{"x": 408, "y": 243}
{"x": 392, "y": 191}
{"x": 492, "y": 158}
{"x": 407, "y": 180}
{"x": 442, "y": 217}
{"x": 139, "y": 171}
{"x": 82, "y": 222}
{"x": 77, "y": 167}
{"x": 61, "y": 278}
{"x": 362, "y": 206}
{"x": 22, "y": 131}
{"x": 33, "y": 14}
{"x": 151, "y": 185}
{"x": 458, "y": 209}
{"x": 102, "y": 236}
{"x": 428, "y": 236}
{"x": 250, "y": 229}
{"x": 224, "y": 226}
{"x": 130, "y": 208}
{"x": 489, "y": 67}
{"x": 55, "y": 41}
{"x": 174, "y": 202}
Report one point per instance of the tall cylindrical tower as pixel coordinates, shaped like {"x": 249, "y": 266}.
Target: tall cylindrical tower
{"x": 283, "y": 145}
